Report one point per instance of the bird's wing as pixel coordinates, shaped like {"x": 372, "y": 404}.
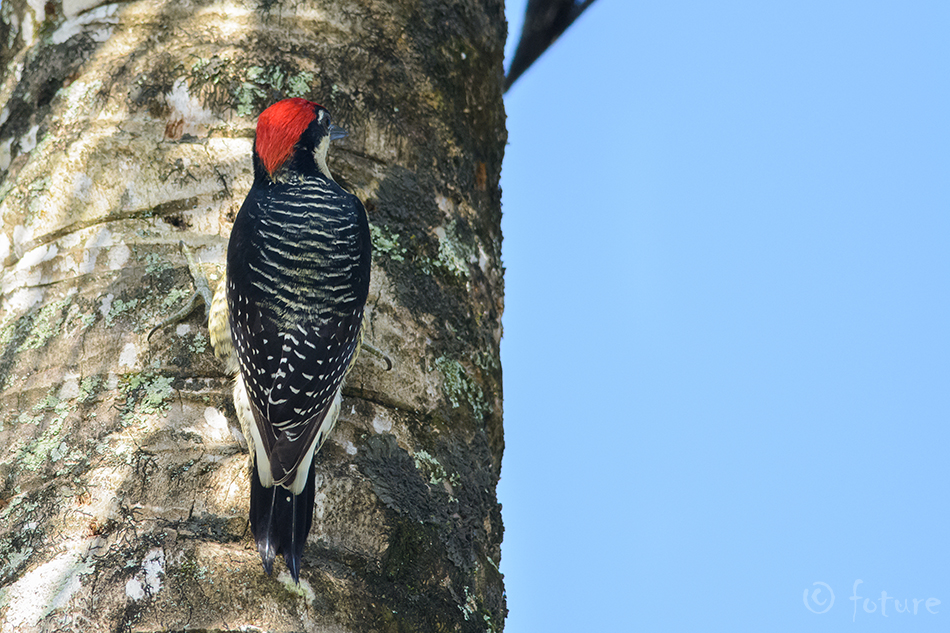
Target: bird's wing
{"x": 292, "y": 389}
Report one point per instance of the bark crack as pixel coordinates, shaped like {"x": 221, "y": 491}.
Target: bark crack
{"x": 158, "y": 211}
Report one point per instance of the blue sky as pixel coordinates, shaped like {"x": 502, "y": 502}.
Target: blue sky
{"x": 727, "y": 324}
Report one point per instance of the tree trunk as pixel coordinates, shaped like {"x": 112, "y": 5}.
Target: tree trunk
{"x": 127, "y": 128}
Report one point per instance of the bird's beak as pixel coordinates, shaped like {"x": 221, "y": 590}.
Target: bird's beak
{"x": 336, "y": 132}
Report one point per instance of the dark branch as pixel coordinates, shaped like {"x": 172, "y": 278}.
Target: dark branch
{"x": 544, "y": 21}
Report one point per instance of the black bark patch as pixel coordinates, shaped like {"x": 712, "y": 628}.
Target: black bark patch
{"x": 395, "y": 479}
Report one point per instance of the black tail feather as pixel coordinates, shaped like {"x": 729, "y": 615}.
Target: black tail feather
{"x": 262, "y": 520}
{"x": 281, "y": 521}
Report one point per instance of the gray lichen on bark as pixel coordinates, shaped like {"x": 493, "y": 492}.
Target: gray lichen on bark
{"x": 127, "y": 127}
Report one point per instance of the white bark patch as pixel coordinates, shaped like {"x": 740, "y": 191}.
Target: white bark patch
{"x": 38, "y": 9}
{"x": 96, "y": 242}
{"x": 70, "y": 388}
{"x": 182, "y": 329}
{"x": 36, "y": 256}
{"x": 81, "y": 186}
{"x": 106, "y": 306}
{"x": 129, "y": 355}
{"x": 100, "y": 239}
{"x": 187, "y": 114}
{"x": 445, "y": 205}
{"x": 218, "y": 423}
{"x": 23, "y": 299}
{"x": 27, "y": 30}
{"x": 45, "y": 589}
{"x": 67, "y": 264}
{"x": 483, "y": 261}
{"x": 21, "y": 235}
{"x": 88, "y": 263}
{"x": 27, "y": 271}
{"x": 319, "y": 498}
{"x": 28, "y": 140}
{"x": 5, "y": 154}
{"x": 118, "y": 256}
{"x": 382, "y": 425}
{"x": 319, "y": 505}
{"x": 134, "y": 589}
{"x": 98, "y": 23}
{"x": 148, "y": 582}
{"x": 212, "y": 254}
{"x": 70, "y": 240}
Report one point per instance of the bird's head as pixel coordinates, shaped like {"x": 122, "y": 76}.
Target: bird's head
{"x": 293, "y": 136}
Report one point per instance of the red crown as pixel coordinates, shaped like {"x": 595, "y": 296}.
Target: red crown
{"x": 279, "y": 128}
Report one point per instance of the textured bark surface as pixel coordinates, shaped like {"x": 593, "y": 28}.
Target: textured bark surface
{"x": 127, "y": 127}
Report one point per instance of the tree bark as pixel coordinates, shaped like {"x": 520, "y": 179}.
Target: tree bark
{"x": 126, "y": 128}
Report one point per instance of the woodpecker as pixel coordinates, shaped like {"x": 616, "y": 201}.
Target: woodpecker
{"x": 288, "y": 316}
